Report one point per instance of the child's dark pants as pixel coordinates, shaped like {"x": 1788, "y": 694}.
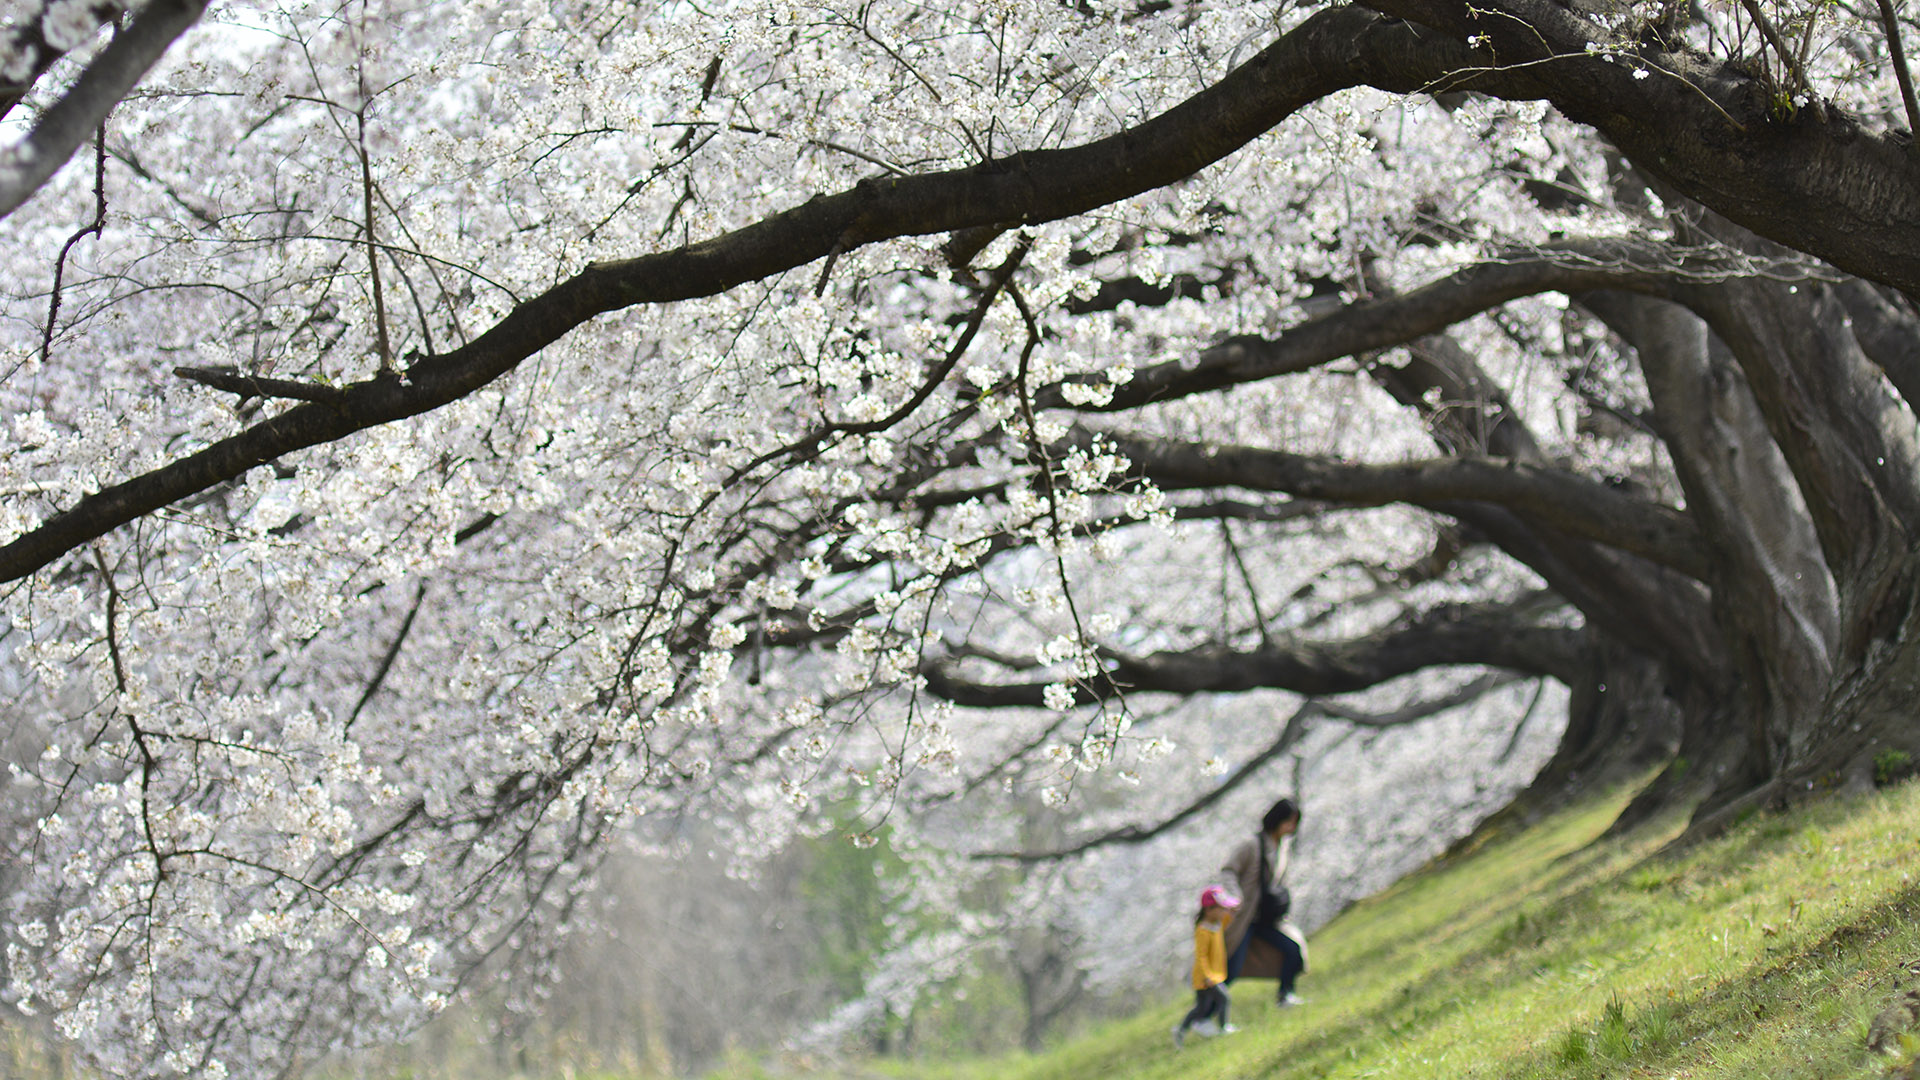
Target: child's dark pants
{"x": 1212, "y": 1001}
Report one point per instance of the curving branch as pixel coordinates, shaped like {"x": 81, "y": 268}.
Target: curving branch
{"x": 1815, "y": 179}
{"x": 1465, "y": 409}
{"x": 1554, "y": 498}
{"x": 1829, "y": 187}
{"x": 1888, "y": 331}
{"x": 1662, "y": 612}
{"x": 1468, "y": 411}
{"x": 66, "y": 124}
{"x": 1495, "y": 635}
{"x": 1291, "y": 733}
{"x": 1385, "y": 322}
{"x": 386, "y": 660}
{"x": 27, "y": 39}
{"x": 1315, "y": 59}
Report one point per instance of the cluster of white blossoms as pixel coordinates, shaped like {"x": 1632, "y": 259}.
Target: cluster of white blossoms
{"x": 294, "y": 756}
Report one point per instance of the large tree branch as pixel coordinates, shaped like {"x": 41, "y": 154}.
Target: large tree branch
{"x": 27, "y": 39}
{"x": 1812, "y": 178}
{"x": 1553, "y": 498}
{"x": 1888, "y": 332}
{"x": 1828, "y": 187}
{"x": 1396, "y": 320}
{"x": 1849, "y": 443}
{"x": 1291, "y": 733}
{"x": 1493, "y": 635}
{"x": 1323, "y": 55}
{"x": 30, "y": 162}
{"x": 1659, "y": 610}
{"x": 1467, "y": 411}
{"x": 1464, "y": 407}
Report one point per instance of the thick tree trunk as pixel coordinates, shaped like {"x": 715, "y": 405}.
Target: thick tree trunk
{"x": 1774, "y": 602}
{"x": 1864, "y": 732}
{"x": 1654, "y": 610}
{"x": 1872, "y": 731}
{"x": 1851, "y": 448}
{"x": 1626, "y": 717}
{"x": 1801, "y": 471}
{"x": 1654, "y": 667}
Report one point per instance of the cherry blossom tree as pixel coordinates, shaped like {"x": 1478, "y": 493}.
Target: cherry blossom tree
{"x": 441, "y": 435}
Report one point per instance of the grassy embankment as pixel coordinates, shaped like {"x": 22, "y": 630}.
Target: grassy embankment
{"x": 1761, "y": 954}
{"x": 1552, "y": 953}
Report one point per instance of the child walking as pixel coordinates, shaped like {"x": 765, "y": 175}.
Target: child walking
{"x": 1210, "y": 999}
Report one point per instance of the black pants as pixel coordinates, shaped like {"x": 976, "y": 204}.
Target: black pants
{"x": 1213, "y": 1001}
{"x": 1291, "y": 962}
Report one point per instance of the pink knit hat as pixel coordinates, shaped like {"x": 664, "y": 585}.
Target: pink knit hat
{"x": 1215, "y": 896}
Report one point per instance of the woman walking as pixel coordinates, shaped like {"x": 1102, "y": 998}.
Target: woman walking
{"x": 1258, "y": 868}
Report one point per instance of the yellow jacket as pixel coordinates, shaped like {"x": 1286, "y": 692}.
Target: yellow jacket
{"x": 1209, "y": 954}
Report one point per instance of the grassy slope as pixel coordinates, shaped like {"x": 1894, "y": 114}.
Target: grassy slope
{"x": 1553, "y": 954}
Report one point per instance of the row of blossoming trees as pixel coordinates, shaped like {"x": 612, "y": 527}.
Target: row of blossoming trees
{"x": 438, "y": 435}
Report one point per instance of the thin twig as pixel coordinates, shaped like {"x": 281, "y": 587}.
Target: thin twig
{"x": 373, "y": 252}
{"x": 810, "y": 445}
{"x": 824, "y": 144}
{"x": 91, "y": 229}
{"x": 1519, "y": 729}
{"x": 386, "y": 662}
{"x": 1290, "y": 734}
{"x": 148, "y": 764}
{"x": 1037, "y": 448}
{"x": 233, "y": 382}
{"x": 1253, "y": 597}
{"x": 826, "y": 269}
{"x": 1797, "y": 76}
{"x": 1905, "y": 77}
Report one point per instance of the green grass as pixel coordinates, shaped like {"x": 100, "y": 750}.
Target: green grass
{"x": 1552, "y": 953}
{"x": 1555, "y": 953}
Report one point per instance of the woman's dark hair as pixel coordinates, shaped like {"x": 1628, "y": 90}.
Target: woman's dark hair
{"x": 1279, "y": 814}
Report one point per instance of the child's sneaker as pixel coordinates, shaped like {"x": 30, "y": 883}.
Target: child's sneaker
{"x": 1291, "y": 999}
{"x": 1229, "y": 1029}
{"x": 1179, "y": 1036}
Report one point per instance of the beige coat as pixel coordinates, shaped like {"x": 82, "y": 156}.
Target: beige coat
{"x": 1242, "y": 870}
